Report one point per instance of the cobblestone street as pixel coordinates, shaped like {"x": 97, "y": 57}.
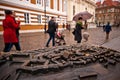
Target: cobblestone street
{"x": 37, "y": 40}
{"x": 31, "y": 44}
{"x": 86, "y": 45}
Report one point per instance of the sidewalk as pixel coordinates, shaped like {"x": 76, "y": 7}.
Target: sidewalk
{"x": 98, "y": 38}
{"x": 113, "y": 44}
{"x": 37, "y": 40}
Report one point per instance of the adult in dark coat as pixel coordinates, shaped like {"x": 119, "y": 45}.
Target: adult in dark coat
{"x": 78, "y": 30}
{"x": 9, "y": 33}
{"x": 107, "y": 29}
{"x": 51, "y": 31}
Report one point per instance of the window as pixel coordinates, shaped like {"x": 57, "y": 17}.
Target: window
{"x": 26, "y": 16}
{"x": 109, "y": 10}
{"x": 39, "y": 18}
{"x": 104, "y": 5}
{"x": 112, "y": 9}
{"x": 100, "y": 11}
{"x": 55, "y": 4}
{"x": 73, "y": 10}
{"x": 39, "y": 2}
{"x": 47, "y": 19}
{"x": 64, "y": 3}
{"x": 47, "y": 3}
{"x": 26, "y": 0}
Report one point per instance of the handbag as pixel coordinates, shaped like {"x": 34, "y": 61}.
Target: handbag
{"x": 73, "y": 32}
{"x": 47, "y": 31}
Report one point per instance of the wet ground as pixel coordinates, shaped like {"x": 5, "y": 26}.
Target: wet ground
{"x": 74, "y": 73}
{"x": 31, "y": 41}
{"x": 73, "y": 62}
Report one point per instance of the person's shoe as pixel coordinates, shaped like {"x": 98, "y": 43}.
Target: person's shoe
{"x": 46, "y": 46}
{"x": 59, "y": 44}
{"x": 54, "y": 46}
{"x": 64, "y": 43}
{"x": 18, "y": 51}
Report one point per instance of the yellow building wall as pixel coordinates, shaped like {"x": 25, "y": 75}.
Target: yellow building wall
{"x": 27, "y": 27}
{"x": 1, "y": 28}
{"x": 58, "y": 5}
{"x": 31, "y": 25}
{"x": 51, "y": 4}
{"x": 33, "y": 1}
{"x": 62, "y": 5}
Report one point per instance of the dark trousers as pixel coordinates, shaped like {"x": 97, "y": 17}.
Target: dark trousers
{"x": 51, "y": 37}
{"x": 8, "y": 46}
{"x": 107, "y": 35}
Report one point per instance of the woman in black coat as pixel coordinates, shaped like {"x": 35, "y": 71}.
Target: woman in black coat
{"x": 78, "y": 30}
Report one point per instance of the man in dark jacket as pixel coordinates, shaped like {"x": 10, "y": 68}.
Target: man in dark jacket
{"x": 51, "y": 31}
{"x": 107, "y": 30}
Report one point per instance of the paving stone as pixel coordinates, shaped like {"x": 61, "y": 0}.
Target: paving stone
{"x": 49, "y": 53}
{"x": 87, "y": 75}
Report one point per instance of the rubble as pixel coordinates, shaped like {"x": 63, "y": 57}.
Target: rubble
{"x": 60, "y": 58}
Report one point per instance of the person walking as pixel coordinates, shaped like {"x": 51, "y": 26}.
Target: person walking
{"x": 69, "y": 27}
{"x": 78, "y": 32}
{"x": 103, "y": 27}
{"x": 17, "y": 31}
{"x": 85, "y": 25}
{"x": 51, "y": 31}
{"x": 107, "y": 29}
{"x": 66, "y": 26}
{"x": 63, "y": 26}
{"x": 9, "y": 33}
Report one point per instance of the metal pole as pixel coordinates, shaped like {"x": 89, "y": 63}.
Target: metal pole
{"x": 45, "y": 15}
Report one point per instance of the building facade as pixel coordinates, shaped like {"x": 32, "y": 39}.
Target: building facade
{"x": 108, "y": 11}
{"x": 76, "y": 6}
{"x": 34, "y": 14}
